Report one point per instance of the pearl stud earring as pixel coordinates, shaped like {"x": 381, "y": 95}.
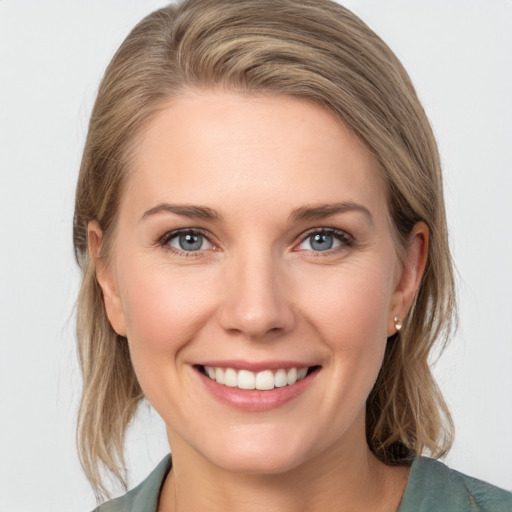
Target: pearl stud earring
{"x": 398, "y": 322}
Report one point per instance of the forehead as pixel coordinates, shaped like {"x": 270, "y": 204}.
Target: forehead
{"x": 214, "y": 147}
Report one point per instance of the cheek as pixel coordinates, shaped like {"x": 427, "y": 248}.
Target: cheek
{"x": 350, "y": 315}
{"x": 163, "y": 309}
{"x": 352, "y": 303}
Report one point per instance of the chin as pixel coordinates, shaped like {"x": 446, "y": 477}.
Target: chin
{"x": 269, "y": 452}
{"x": 257, "y": 463}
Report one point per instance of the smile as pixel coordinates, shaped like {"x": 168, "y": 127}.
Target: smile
{"x": 263, "y": 380}
{"x": 256, "y": 387}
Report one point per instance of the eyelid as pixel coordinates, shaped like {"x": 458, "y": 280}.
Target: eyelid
{"x": 345, "y": 238}
{"x": 164, "y": 240}
{"x": 168, "y": 235}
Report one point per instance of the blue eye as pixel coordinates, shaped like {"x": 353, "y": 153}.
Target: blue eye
{"x": 325, "y": 240}
{"x": 321, "y": 241}
{"x": 189, "y": 241}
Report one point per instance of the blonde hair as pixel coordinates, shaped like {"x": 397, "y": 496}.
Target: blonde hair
{"x": 312, "y": 49}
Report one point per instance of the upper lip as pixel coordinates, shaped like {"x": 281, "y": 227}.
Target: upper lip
{"x": 255, "y": 366}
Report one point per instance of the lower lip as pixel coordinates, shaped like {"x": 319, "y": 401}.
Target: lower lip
{"x": 254, "y": 400}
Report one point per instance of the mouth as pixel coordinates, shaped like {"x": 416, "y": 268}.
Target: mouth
{"x": 264, "y": 380}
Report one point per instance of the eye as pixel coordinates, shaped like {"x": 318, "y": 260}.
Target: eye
{"x": 187, "y": 241}
{"x": 324, "y": 240}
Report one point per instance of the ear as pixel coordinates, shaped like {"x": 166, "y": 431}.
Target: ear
{"x": 410, "y": 275}
{"x": 106, "y": 279}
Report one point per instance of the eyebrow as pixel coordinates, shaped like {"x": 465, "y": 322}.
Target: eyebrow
{"x": 192, "y": 212}
{"x": 320, "y": 211}
{"x": 312, "y": 212}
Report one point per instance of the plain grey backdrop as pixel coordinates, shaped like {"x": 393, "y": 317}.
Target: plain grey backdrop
{"x": 52, "y": 56}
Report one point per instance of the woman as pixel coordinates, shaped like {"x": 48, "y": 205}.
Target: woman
{"x": 260, "y": 223}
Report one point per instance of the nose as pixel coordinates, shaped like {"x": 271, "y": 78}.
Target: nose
{"x": 256, "y": 297}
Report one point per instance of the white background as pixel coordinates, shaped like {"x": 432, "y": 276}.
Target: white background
{"x": 52, "y": 55}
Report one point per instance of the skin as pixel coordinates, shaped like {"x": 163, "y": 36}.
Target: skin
{"x": 258, "y": 291}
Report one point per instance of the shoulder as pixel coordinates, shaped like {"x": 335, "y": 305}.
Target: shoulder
{"x": 144, "y": 497}
{"x": 433, "y": 486}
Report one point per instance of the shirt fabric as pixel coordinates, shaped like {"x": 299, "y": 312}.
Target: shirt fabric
{"x": 432, "y": 487}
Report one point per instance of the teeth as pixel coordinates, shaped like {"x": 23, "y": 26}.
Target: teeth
{"x": 246, "y": 379}
{"x": 301, "y": 373}
{"x": 280, "y": 379}
{"x": 219, "y": 375}
{"x": 230, "y": 378}
{"x": 292, "y": 376}
{"x": 263, "y": 381}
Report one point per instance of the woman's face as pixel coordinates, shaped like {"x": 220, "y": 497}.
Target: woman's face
{"x": 253, "y": 250}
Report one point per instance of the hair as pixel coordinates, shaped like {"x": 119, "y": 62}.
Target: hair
{"x": 315, "y": 50}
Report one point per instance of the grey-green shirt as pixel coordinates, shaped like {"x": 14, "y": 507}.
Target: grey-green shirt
{"x": 432, "y": 487}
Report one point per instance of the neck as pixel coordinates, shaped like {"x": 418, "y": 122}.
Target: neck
{"x": 347, "y": 477}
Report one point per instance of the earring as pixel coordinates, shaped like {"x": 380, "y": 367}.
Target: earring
{"x": 398, "y": 323}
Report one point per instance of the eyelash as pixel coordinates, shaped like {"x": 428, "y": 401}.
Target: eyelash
{"x": 346, "y": 240}
{"x": 164, "y": 240}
